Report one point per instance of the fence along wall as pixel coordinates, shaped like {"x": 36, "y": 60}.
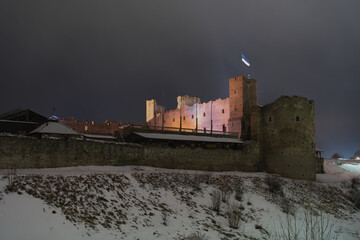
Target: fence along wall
{"x": 25, "y": 152}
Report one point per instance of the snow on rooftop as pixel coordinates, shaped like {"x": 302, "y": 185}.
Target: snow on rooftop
{"x": 99, "y": 136}
{"x": 54, "y": 128}
{"x": 13, "y": 121}
{"x": 195, "y": 138}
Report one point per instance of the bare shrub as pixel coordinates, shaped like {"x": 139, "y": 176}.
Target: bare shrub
{"x": 274, "y": 184}
{"x": 239, "y": 191}
{"x": 234, "y": 215}
{"x": 225, "y": 192}
{"x": 165, "y": 218}
{"x": 197, "y": 183}
{"x": 225, "y": 195}
{"x": 290, "y": 228}
{"x": 355, "y": 182}
{"x": 354, "y": 191}
{"x": 193, "y": 236}
{"x": 208, "y": 178}
{"x": 11, "y": 176}
{"x": 318, "y": 226}
{"x": 261, "y": 229}
{"x": 216, "y": 199}
{"x": 287, "y": 206}
{"x": 314, "y": 226}
{"x": 355, "y": 197}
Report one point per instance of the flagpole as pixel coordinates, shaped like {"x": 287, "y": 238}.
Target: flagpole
{"x": 242, "y": 65}
{"x": 245, "y": 61}
{"x": 254, "y": 69}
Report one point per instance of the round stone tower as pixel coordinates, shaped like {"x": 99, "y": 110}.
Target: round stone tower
{"x": 288, "y": 137}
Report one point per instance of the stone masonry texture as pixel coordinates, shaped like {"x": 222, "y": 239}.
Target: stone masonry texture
{"x": 288, "y": 140}
{"x": 27, "y": 152}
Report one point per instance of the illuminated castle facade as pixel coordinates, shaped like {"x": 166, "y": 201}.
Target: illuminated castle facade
{"x": 283, "y": 130}
{"x": 232, "y": 114}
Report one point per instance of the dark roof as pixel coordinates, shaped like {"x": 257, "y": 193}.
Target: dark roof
{"x": 20, "y": 114}
{"x": 10, "y": 113}
{"x": 190, "y": 138}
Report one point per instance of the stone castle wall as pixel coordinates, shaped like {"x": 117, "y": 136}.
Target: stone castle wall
{"x": 233, "y": 113}
{"x": 284, "y": 129}
{"x": 26, "y": 152}
{"x": 109, "y": 127}
{"x": 282, "y": 134}
{"x": 288, "y": 137}
{"x": 187, "y": 101}
{"x": 217, "y": 110}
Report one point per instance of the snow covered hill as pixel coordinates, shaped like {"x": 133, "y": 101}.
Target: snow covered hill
{"x": 150, "y": 203}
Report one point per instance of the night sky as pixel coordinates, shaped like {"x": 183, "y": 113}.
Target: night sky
{"x": 100, "y": 60}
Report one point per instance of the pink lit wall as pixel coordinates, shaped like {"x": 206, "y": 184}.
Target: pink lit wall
{"x": 218, "y": 111}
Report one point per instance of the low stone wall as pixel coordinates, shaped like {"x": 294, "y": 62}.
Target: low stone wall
{"x": 246, "y": 159}
{"x": 26, "y": 152}
{"x": 320, "y": 165}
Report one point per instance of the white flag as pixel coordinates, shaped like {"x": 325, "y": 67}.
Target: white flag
{"x": 244, "y": 60}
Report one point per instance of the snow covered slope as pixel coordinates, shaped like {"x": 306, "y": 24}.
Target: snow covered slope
{"x": 149, "y": 203}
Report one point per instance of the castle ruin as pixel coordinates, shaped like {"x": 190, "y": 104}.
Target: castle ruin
{"x": 232, "y": 134}
{"x": 283, "y": 130}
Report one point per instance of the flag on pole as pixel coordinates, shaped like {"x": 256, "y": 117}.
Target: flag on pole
{"x": 244, "y": 60}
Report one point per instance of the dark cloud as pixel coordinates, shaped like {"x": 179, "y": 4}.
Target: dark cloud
{"x": 102, "y": 59}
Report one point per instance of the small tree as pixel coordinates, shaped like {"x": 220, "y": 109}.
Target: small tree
{"x": 274, "y": 184}
{"x": 11, "y": 176}
{"x": 234, "y": 215}
{"x": 239, "y": 191}
{"x": 336, "y": 155}
{"x": 216, "y": 200}
{"x": 225, "y": 192}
